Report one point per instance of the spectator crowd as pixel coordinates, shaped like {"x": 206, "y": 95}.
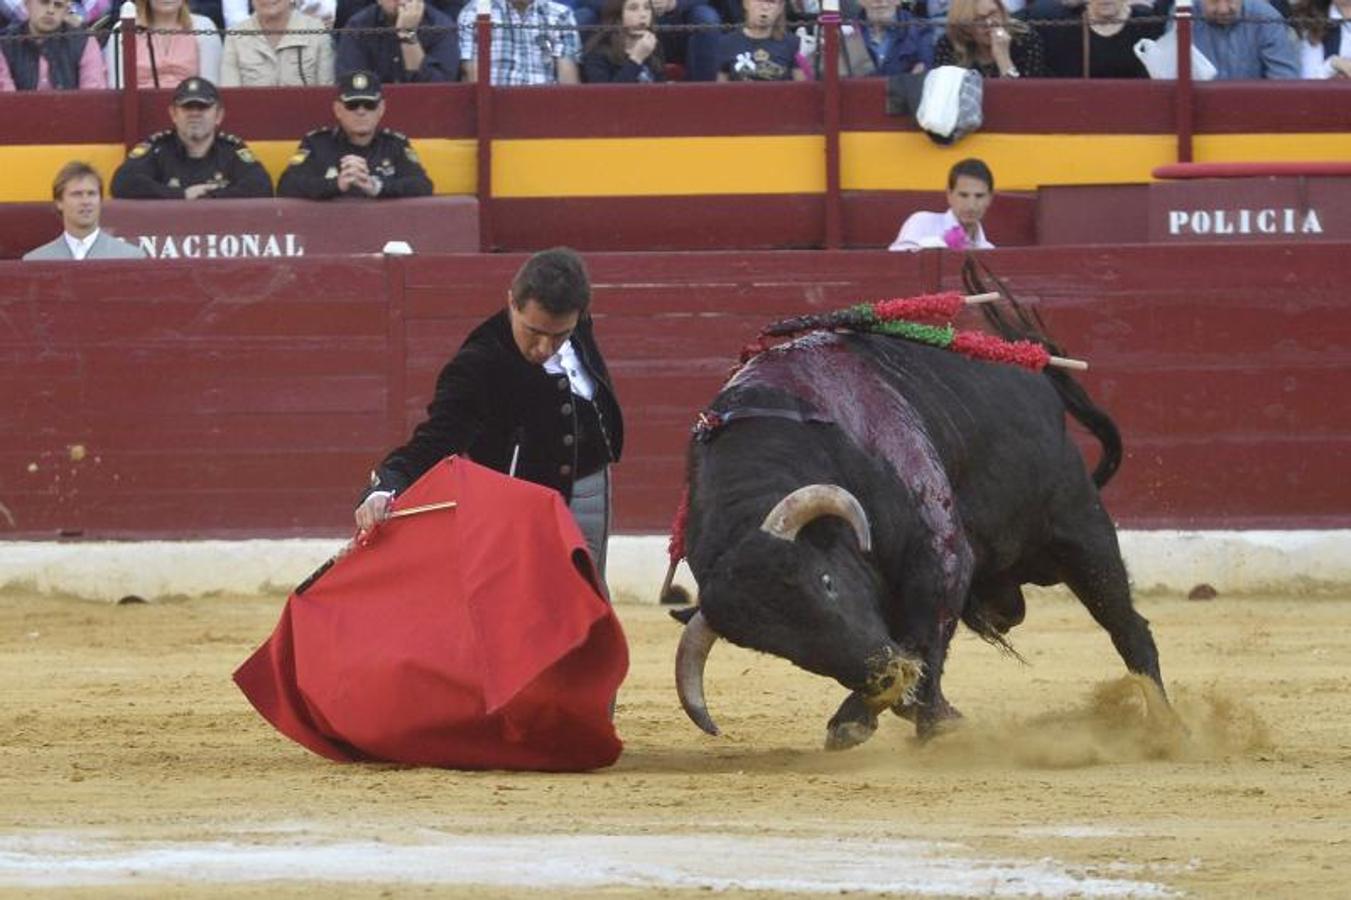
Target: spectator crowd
{"x": 76, "y": 44}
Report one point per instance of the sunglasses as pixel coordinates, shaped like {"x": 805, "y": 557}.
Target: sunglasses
{"x": 354, "y": 105}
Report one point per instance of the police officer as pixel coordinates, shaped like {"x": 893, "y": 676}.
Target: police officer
{"x": 194, "y": 159}
{"x": 357, "y": 158}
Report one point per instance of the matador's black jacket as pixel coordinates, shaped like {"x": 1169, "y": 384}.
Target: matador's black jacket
{"x": 312, "y": 173}
{"x": 490, "y": 399}
{"x": 159, "y": 168}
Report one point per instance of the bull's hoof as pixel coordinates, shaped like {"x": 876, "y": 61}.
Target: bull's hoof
{"x": 853, "y": 723}
{"x": 928, "y": 727}
{"x": 684, "y": 614}
{"x": 944, "y": 717}
{"x": 675, "y": 595}
{"x": 910, "y": 711}
{"x": 844, "y": 735}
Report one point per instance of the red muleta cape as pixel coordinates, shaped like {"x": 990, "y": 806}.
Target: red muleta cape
{"x": 470, "y": 638}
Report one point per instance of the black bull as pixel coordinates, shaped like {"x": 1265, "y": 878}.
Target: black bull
{"x": 860, "y": 494}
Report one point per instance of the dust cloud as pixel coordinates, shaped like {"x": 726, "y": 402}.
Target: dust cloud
{"x": 1123, "y": 720}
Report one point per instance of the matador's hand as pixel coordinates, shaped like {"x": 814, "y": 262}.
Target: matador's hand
{"x": 374, "y": 509}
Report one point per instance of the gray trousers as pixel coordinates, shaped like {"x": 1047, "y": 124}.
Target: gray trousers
{"x": 590, "y": 506}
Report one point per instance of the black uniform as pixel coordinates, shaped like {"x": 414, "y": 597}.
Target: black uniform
{"x": 495, "y": 406}
{"x": 159, "y": 168}
{"x": 313, "y": 169}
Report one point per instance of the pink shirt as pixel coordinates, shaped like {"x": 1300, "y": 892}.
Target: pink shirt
{"x": 92, "y": 74}
{"x": 176, "y": 59}
{"x": 90, "y": 10}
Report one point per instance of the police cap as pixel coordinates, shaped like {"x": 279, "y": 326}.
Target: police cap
{"x": 359, "y": 85}
{"x": 196, "y": 90}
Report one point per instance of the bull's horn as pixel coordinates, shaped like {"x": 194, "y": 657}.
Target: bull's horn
{"x": 813, "y": 501}
{"x": 691, "y": 656}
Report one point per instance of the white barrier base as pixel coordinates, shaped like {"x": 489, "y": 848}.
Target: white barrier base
{"x": 1159, "y": 561}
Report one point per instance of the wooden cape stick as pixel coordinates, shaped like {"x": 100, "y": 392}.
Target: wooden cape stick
{"x": 415, "y": 510}
{"x": 397, "y": 514}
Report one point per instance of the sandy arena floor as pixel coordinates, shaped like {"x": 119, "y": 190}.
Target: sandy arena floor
{"x": 131, "y": 766}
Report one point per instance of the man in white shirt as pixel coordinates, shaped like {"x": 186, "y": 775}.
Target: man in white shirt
{"x": 78, "y": 192}
{"x": 970, "y": 191}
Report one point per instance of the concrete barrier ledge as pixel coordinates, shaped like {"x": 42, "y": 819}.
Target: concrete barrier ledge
{"x": 1301, "y": 562}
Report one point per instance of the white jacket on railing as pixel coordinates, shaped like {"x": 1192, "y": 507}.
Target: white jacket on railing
{"x": 208, "y": 52}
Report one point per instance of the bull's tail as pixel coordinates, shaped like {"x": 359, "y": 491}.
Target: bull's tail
{"x": 974, "y": 618}
{"x": 1015, "y": 322}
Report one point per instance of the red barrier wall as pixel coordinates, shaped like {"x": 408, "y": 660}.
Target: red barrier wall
{"x": 173, "y": 229}
{"x": 1027, "y": 106}
{"x": 208, "y": 398}
{"x": 871, "y": 221}
{"x": 1262, "y": 115}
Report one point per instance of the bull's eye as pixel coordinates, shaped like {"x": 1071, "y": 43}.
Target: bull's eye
{"x": 828, "y": 583}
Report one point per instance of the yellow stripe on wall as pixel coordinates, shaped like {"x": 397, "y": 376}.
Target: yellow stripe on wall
{"x": 29, "y": 169}
{"x": 910, "y": 161}
{"x": 632, "y": 167}
{"x": 1317, "y": 147}
{"x": 451, "y": 164}
{"x": 765, "y": 164}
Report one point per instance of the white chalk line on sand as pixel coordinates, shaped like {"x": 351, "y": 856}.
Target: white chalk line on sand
{"x": 696, "y": 862}
{"x": 1230, "y": 561}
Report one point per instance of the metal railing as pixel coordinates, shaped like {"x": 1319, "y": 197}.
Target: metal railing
{"x": 126, "y": 29}
{"x": 123, "y": 54}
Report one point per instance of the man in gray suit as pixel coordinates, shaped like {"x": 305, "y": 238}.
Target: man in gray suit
{"x": 78, "y": 192}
